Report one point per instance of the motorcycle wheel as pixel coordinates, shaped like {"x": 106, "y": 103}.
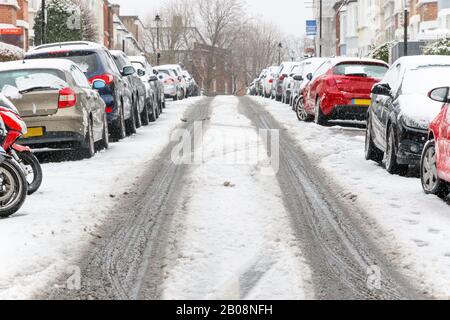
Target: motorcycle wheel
{"x": 13, "y": 188}
{"x": 34, "y": 171}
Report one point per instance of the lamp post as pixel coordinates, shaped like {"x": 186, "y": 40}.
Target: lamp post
{"x": 158, "y": 51}
{"x": 405, "y": 28}
{"x": 43, "y": 23}
{"x": 280, "y": 46}
{"x": 320, "y": 28}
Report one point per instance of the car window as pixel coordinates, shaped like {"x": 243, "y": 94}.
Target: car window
{"x": 120, "y": 61}
{"x": 392, "y": 77}
{"x": 369, "y": 70}
{"x": 33, "y": 78}
{"x": 322, "y": 69}
{"x": 80, "y": 78}
{"x": 423, "y": 79}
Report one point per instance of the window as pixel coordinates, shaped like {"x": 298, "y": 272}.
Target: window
{"x": 368, "y": 70}
{"x": 80, "y": 78}
{"x": 33, "y": 78}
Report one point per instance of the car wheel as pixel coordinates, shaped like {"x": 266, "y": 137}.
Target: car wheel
{"x": 104, "y": 143}
{"x": 300, "y": 110}
{"x": 144, "y": 116}
{"x": 391, "y": 155}
{"x": 131, "y": 123}
{"x": 119, "y": 127}
{"x": 319, "y": 117}
{"x": 137, "y": 116}
{"x": 88, "y": 148}
{"x": 431, "y": 182}
{"x": 153, "y": 115}
{"x": 371, "y": 151}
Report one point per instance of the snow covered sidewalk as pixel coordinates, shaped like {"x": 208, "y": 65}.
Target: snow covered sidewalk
{"x": 231, "y": 236}
{"x": 413, "y": 229}
{"x": 49, "y": 232}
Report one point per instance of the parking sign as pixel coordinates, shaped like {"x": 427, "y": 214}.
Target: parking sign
{"x": 311, "y": 27}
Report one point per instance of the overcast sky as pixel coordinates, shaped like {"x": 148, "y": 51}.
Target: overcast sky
{"x": 289, "y": 15}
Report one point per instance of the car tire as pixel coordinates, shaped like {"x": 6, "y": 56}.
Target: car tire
{"x": 119, "y": 127}
{"x": 137, "y": 115}
{"x": 371, "y": 152}
{"x": 391, "y": 155}
{"x": 431, "y": 183}
{"x": 153, "y": 116}
{"x": 319, "y": 117}
{"x": 131, "y": 123}
{"x": 27, "y": 158}
{"x": 145, "y": 116}
{"x": 87, "y": 149}
{"x": 300, "y": 111}
{"x": 104, "y": 143}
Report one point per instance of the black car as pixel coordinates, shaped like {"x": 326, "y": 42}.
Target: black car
{"x": 97, "y": 64}
{"x": 400, "y": 111}
{"x": 135, "y": 86}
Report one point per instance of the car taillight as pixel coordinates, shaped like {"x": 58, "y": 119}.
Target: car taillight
{"x": 281, "y": 77}
{"x": 270, "y": 80}
{"x": 67, "y": 98}
{"x": 108, "y": 78}
{"x": 108, "y": 109}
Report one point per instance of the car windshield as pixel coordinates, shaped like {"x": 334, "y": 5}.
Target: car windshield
{"x": 86, "y": 60}
{"x": 423, "y": 79}
{"x": 368, "y": 70}
{"x": 32, "y": 79}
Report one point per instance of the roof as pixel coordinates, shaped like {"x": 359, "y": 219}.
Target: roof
{"x": 338, "y": 60}
{"x": 141, "y": 59}
{"x": 58, "y": 64}
{"x": 70, "y": 46}
{"x": 416, "y": 61}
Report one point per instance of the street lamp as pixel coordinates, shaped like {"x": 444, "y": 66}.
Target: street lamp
{"x": 280, "y": 46}
{"x": 43, "y": 23}
{"x": 158, "y": 51}
{"x": 405, "y": 27}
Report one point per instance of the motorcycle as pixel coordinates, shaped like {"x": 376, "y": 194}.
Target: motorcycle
{"x": 13, "y": 184}
{"x": 15, "y": 127}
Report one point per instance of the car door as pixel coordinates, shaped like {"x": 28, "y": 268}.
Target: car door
{"x": 313, "y": 88}
{"x": 93, "y": 103}
{"x": 444, "y": 146}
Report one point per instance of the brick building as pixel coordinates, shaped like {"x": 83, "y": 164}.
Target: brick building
{"x": 14, "y": 26}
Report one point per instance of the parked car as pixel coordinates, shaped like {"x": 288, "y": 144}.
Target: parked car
{"x": 172, "y": 86}
{"x": 267, "y": 83}
{"x": 401, "y": 112}
{"x": 154, "y": 89}
{"x": 300, "y": 79}
{"x": 435, "y": 161}
{"x": 252, "y": 88}
{"x": 259, "y": 83}
{"x": 340, "y": 89}
{"x": 190, "y": 83}
{"x": 137, "y": 89}
{"x": 97, "y": 64}
{"x": 177, "y": 72}
{"x": 278, "y": 79}
{"x": 57, "y": 103}
{"x": 288, "y": 82}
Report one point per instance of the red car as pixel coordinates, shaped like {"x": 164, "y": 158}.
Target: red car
{"x": 435, "y": 163}
{"x": 340, "y": 89}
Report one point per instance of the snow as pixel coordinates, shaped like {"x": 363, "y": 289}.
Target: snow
{"x": 10, "y": 51}
{"x": 412, "y": 229}
{"x": 47, "y": 235}
{"x": 232, "y": 236}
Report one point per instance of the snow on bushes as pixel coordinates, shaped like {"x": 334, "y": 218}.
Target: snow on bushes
{"x": 439, "y": 47}
{"x": 9, "y": 52}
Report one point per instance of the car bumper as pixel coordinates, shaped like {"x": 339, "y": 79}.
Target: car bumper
{"x": 58, "y": 131}
{"x": 349, "y": 112}
{"x": 410, "y": 147}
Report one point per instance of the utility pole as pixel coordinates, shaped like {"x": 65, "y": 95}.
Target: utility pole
{"x": 158, "y": 50}
{"x": 320, "y": 27}
{"x": 405, "y": 28}
{"x": 44, "y": 23}
{"x": 280, "y": 46}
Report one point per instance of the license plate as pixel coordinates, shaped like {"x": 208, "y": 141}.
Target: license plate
{"x": 34, "y": 132}
{"x": 361, "y": 102}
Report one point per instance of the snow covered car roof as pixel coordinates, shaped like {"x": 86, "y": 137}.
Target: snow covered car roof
{"x": 69, "y": 46}
{"x": 59, "y": 64}
{"x": 339, "y": 60}
{"x": 140, "y": 59}
{"x": 416, "y": 61}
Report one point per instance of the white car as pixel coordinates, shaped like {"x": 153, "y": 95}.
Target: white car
{"x": 268, "y": 81}
{"x": 172, "y": 86}
{"x": 178, "y": 72}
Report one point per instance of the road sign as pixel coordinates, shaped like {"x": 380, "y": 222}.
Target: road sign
{"x": 311, "y": 27}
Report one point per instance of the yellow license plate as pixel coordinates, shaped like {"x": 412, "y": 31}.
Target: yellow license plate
{"x": 361, "y": 102}
{"x": 34, "y": 132}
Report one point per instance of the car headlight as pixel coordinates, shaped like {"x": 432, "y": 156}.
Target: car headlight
{"x": 415, "y": 124}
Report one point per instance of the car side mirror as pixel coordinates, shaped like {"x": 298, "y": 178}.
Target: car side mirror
{"x": 298, "y": 77}
{"x": 155, "y": 71}
{"x": 98, "y": 84}
{"x": 382, "y": 89}
{"x": 440, "y": 94}
{"x": 309, "y": 76}
{"x": 128, "y": 71}
{"x": 179, "y": 78}
{"x": 153, "y": 79}
{"x": 141, "y": 72}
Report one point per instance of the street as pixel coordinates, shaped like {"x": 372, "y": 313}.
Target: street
{"x": 218, "y": 229}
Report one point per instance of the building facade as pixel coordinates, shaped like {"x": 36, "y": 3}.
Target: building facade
{"x": 14, "y": 26}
